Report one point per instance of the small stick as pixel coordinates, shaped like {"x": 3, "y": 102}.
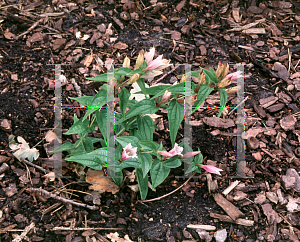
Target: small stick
{"x": 83, "y": 229}
{"x": 62, "y": 199}
{"x": 238, "y": 105}
{"x": 159, "y": 79}
{"x": 34, "y": 165}
{"x": 158, "y": 198}
{"x": 273, "y": 156}
{"x": 24, "y": 233}
{"x": 31, "y": 28}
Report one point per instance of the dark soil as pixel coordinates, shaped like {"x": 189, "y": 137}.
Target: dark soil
{"x": 27, "y": 100}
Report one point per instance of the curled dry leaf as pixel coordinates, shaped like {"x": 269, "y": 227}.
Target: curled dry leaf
{"x": 100, "y": 182}
{"x": 22, "y": 149}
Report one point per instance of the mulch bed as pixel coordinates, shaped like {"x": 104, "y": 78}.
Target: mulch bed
{"x": 82, "y": 35}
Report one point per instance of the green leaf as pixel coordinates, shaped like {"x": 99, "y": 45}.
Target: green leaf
{"x": 99, "y": 78}
{"x": 210, "y": 77}
{"x": 125, "y": 140}
{"x": 204, "y": 91}
{"x": 143, "y": 183}
{"x": 123, "y": 71}
{"x": 173, "y": 162}
{"x": 142, "y": 86}
{"x": 175, "y": 89}
{"x": 149, "y": 145}
{"x": 132, "y": 162}
{"x": 87, "y": 144}
{"x": 146, "y": 162}
{"x": 123, "y": 99}
{"x": 158, "y": 173}
{"x": 101, "y": 118}
{"x": 95, "y": 159}
{"x": 175, "y": 116}
{"x": 143, "y": 107}
{"x": 80, "y": 127}
{"x": 96, "y": 101}
{"x": 145, "y": 127}
{"x": 64, "y": 147}
{"x": 223, "y": 99}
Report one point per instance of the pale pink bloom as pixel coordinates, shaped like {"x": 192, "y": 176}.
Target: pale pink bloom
{"x": 190, "y": 154}
{"x": 212, "y": 169}
{"x": 129, "y": 152}
{"x": 149, "y": 55}
{"x": 175, "y": 151}
{"x": 235, "y": 75}
{"x": 158, "y": 64}
{"x": 165, "y": 154}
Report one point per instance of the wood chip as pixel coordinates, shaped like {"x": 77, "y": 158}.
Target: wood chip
{"x": 227, "y": 206}
{"x": 226, "y": 218}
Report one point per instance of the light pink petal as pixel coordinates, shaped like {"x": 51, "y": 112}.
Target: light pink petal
{"x": 165, "y": 154}
{"x": 155, "y": 64}
{"x": 176, "y": 150}
{"x": 190, "y": 154}
{"x": 212, "y": 169}
{"x": 149, "y": 55}
{"x": 129, "y": 152}
{"x": 235, "y": 75}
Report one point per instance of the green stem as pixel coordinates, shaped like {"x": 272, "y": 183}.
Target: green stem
{"x": 93, "y": 120}
{"x": 122, "y": 130}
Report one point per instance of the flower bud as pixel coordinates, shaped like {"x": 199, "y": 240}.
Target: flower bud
{"x": 224, "y": 71}
{"x": 201, "y": 81}
{"x": 165, "y": 98}
{"x": 219, "y": 70}
{"x": 225, "y": 82}
{"x": 233, "y": 90}
{"x": 182, "y": 78}
{"x": 126, "y": 62}
{"x": 133, "y": 79}
{"x": 139, "y": 61}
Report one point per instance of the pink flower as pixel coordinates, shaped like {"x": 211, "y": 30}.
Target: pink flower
{"x": 175, "y": 151}
{"x": 155, "y": 65}
{"x": 235, "y": 75}
{"x": 190, "y": 154}
{"x": 212, "y": 169}
{"x": 129, "y": 152}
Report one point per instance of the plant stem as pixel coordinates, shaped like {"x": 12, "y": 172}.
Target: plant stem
{"x": 122, "y": 130}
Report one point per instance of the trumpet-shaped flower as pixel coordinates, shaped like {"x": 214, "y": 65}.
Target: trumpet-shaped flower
{"x": 175, "y": 151}
{"x": 212, "y": 169}
{"x": 190, "y": 154}
{"x": 129, "y": 152}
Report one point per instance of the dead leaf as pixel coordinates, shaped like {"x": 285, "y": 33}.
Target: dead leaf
{"x": 88, "y": 60}
{"x": 100, "y": 182}
{"x": 114, "y": 237}
{"x": 9, "y": 35}
{"x": 120, "y": 45}
{"x": 219, "y": 123}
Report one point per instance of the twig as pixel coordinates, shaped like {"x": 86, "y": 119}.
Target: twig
{"x": 24, "y": 233}
{"x": 238, "y": 105}
{"x": 273, "y": 156}
{"x": 158, "y": 198}
{"x": 31, "y": 28}
{"x": 159, "y": 79}
{"x": 83, "y": 229}
{"x": 62, "y": 199}
{"x": 34, "y": 165}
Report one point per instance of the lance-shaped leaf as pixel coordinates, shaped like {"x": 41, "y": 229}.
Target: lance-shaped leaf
{"x": 223, "y": 99}
{"x": 175, "y": 116}
{"x": 204, "y": 91}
